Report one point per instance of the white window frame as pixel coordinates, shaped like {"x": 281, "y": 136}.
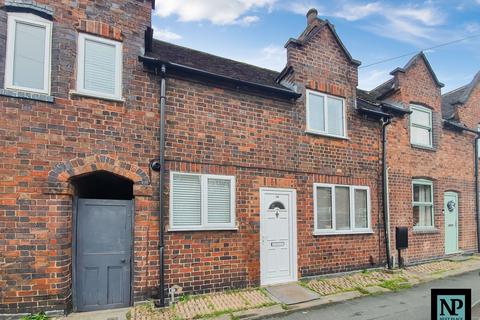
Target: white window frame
{"x": 31, "y": 19}
{"x": 430, "y": 128}
{"x": 353, "y": 229}
{"x": 424, "y": 182}
{"x": 82, "y": 38}
{"x": 325, "y": 97}
{"x": 205, "y": 225}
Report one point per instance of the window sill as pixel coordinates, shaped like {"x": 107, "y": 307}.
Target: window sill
{"x": 202, "y": 229}
{"x": 336, "y": 233}
{"x": 27, "y": 95}
{"x": 426, "y": 148}
{"x": 95, "y": 96}
{"x": 317, "y": 133}
{"x": 425, "y": 230}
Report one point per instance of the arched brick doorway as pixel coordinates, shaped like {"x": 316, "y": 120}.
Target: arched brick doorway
{"x": 95, "y": 187}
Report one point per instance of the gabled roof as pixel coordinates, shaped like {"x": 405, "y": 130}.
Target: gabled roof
{"x": 315, "y": 27}
{"x": 169, "y": 52}
{"x": 453, "y": 99}
{"x": 384, "y": 89}
{"x": 412, "y": 61}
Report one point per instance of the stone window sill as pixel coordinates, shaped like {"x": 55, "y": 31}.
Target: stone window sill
{"x": 95, "y": 96}
{"x": 425, "y": 148}
{"x": 420, "y": 230}
{"x": 27, "y": 95}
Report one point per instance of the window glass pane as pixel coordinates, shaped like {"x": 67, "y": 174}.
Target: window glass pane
{"x": 420, "y": 136}
{"x": 421, "y": 117}
{"x": 422, "y": 193}
{"x": 324, "y": 208}
{"x": 416, "y": 216}
{"x": 422, "y": 216}
{"x": 100, "y": 67}
{"x": 342, "y": 208}
{"x": 219, "y": 202}
{"x": 29, "y": 56}
{"x": 361, "y": 216}
{"x": 186, "y": 206}
{"x": 335, "y": 116}
{"x": 428, "y": 216}
{"x": 316, "y": 114}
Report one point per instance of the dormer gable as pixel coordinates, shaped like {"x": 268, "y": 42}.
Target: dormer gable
{"x": 314, "y": 26}
{"x": 420, "y": 57}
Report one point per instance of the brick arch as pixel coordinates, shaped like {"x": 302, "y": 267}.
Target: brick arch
{"x": 63, "y": 172}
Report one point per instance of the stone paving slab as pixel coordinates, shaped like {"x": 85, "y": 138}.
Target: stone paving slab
{"x": 206, "y": 305}
{"x": 256, "y": 304}
{"x": 292, "y": 293}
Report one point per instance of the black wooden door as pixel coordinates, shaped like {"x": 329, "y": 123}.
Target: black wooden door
{"x": 103, "y": 254}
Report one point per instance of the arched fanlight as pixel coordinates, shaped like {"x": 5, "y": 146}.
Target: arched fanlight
{"x": 276, "y": 205}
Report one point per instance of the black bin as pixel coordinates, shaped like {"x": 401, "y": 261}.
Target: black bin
{"x": 401, "y": 236}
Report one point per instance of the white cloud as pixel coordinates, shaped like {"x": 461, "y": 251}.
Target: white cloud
{"x": 248, "y": 20}
{"x": 219, "y": 12}
{"x": 271, "y": 57}
{"x": 413, "y": 24}
{"x": 166, "y": 34}
{"x": 353, "y": 12}
{"x": 303, "y": 7}
{"x": 369, "y": 79}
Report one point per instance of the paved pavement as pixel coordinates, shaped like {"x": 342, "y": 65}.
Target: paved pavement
{"x": 409, "y": 304}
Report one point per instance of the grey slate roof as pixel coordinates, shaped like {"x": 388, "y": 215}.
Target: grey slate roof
{"x": 172, "y": 53}
{"x": 453, "y": 99}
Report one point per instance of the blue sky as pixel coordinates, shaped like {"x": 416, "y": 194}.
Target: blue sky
{"x": 255, "y": 31}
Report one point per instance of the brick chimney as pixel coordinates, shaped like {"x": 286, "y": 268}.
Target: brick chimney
{"x": 311, "y": 16}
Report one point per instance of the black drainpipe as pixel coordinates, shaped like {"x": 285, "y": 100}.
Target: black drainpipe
{"x": 385, "y": 122}
{"x": 161, "y": 287}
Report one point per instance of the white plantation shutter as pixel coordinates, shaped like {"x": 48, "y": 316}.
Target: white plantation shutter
{"x": 186, "y": 200}
{"x": 219, "y": 200}
{"x": 99, "y": 67}
{"x": 202, "y": 201}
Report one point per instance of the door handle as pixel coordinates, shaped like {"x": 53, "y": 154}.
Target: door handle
{"x": 123, "y": 260}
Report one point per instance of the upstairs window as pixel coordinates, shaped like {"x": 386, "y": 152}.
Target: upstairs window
{"x": 325, "y": 114}
{"x": 28, "y": 55}
{"x": 202, "y": 202}
{"x": 341, "y": 209}
{"x": 422, "y": 204}
{"x": 99, "y": 67}
{"x": 421, "y": 126}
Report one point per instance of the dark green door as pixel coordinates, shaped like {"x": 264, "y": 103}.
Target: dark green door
{"x": 103, "y": 254}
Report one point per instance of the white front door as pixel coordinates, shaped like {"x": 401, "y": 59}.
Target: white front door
{"x": 278, "y": 240}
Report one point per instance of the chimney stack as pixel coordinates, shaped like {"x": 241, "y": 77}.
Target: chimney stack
{"x": 311, "y": 15}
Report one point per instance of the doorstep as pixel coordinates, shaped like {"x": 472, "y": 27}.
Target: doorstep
{"x": 291, "y": 293}
{"x": 110, "y": 314}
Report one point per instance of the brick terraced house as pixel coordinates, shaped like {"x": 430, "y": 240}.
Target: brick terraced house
{"x": 130, "y": 165}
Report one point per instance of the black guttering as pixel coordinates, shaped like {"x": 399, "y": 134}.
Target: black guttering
{"x": 179, "y": 69}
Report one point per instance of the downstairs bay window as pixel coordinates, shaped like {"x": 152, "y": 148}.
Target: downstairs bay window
{"x": 340, "y": 209}
{"x": 201, "y": 202}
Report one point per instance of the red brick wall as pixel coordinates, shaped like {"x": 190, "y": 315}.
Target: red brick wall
{"x": 262, "y": 142}
{"x": 449, "y": 164}
{"x": 38, "y": 139}
{"x": 469, "y": 113}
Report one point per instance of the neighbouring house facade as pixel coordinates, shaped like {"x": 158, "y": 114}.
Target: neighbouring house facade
{"x": 265, "y": 177}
